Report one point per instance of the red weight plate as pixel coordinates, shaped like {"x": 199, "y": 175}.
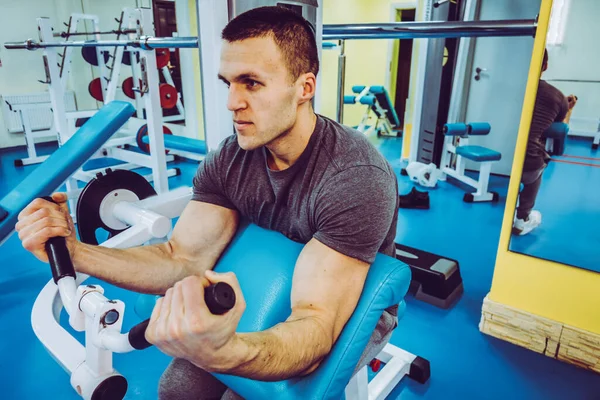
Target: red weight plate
{"x": 128, "y": 87}
{"x": 162, "y": 58}
{"x": 168, "y": 95}
{"x": 143, "y": 131}
{"x": 95, "y": 89}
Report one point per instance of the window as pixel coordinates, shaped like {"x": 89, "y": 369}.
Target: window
{"x": 558, "y": 22}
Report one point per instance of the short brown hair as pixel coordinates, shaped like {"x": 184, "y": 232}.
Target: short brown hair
{"x": 293, "y": 34}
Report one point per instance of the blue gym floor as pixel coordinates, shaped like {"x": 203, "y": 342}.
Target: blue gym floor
{"x": 465, "y": 364}
{"x": 569, "y": 200}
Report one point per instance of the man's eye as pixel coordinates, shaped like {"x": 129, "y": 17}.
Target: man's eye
{"x": 252, "y": 83}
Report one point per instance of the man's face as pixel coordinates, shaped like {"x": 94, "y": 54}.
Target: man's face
{"x": 262, "y": 97}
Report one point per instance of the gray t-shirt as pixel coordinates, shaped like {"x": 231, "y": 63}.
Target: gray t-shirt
{"x": 550, "y": 106}
{"x": 340, "y": 191}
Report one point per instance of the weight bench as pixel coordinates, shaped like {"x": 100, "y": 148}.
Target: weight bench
{"x": 586, "y": 128}
{"x": 377, "y": 100}
{"x": 194, "y": 149}
{"x": 63, "y": 162}
{"x": 555, "y": 137}
{"x": 457, "y": 148}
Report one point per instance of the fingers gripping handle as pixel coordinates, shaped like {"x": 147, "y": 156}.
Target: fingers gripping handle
{"x": 58, "y": 255}
{"x": 219, "y": 298}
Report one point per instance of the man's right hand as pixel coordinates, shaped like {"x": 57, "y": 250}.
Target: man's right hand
{"x": 42, "y": 220}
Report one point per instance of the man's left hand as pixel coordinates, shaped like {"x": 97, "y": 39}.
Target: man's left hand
{"x": 572, "y": 100}
{"x": 182, "y": 326}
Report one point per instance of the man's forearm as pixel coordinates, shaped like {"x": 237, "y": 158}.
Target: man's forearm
{"x": 287, "y": 350}
{"x": 147, "y": 269}
{"x": 568, "y": 116}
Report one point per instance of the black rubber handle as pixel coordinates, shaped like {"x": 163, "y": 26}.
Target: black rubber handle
{"x": 58, "y": 255}
{"x": 219, "y": 298}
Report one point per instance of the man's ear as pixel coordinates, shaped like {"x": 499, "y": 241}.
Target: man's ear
{"x": 308, "y": 86}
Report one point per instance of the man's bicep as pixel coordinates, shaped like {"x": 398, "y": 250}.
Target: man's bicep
{"x": 202, "y": 233}
{"x": 326, "y": 285}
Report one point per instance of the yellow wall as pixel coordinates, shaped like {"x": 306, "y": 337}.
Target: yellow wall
{"x": 366, "y": 60}
{"x": 196, "y": 62}
{"x": 556, "y": 291}
{"x": 394, "y": 65}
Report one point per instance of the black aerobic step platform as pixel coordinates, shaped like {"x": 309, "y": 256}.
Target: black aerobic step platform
{"x": 435, "y": 279}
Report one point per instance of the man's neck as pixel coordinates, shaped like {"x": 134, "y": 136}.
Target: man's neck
{"x": 285, "y": 150}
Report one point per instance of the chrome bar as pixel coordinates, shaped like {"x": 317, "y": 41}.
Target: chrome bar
{"x": 145, "y": 43}
{"x": 341, "y": 81}
{"x": 573, "y": 80}
{"x": 399, "y": 30}
{"x": 436, "y": 29}
{"x": 169, "y": 42}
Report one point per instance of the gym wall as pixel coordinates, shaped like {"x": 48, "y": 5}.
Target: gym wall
{"x": 21, "y": 69}
{"x": 365, "y": 59}
{"x": 559, "y": 292}
{"x": 578, "y": 58}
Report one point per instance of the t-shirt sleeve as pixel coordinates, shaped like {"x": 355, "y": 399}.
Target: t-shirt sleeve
{"x": 208, "y": 182}
{"x": 562, "y": 105}
{"x": 355, "y": 211}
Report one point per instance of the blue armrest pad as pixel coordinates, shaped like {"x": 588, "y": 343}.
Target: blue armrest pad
{"x": 478, "y": 153}
{"x": 455, "y": 129}
{"x": 181, "y": 143}
{"x": 349, "y": 99}
{"x": 479, "y": 128}
{"x": 48, "y": 176}
{"x": 368, "y": 100}
{"x": 263, "y": 262}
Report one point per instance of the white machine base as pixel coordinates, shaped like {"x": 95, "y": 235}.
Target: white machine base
{"x": 397, "y": 365}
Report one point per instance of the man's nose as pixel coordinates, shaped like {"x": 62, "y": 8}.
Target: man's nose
{"x": 235, "y": 99}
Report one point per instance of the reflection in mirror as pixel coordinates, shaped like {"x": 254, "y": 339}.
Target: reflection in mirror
{"x": 558, "y": 208}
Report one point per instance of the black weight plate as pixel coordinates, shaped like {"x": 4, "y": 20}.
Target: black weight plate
{"x": 126, "y": 58}
{"x": 88, "y": 205}
{"x": 89, "y": 55}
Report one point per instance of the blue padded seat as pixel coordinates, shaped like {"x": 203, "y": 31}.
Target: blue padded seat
{"x": 263, "y": 262}
{"x": 181, "y": 143}
{"x": 557, "y": 130}
{"x": 478, "y": 153}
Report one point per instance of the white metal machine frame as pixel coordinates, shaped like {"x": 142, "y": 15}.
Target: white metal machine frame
{"x": 64, "y": 122}
{"x": 453, "y": 164}
{"x": 91, "y": 364}
{"x": 575, "y": 129}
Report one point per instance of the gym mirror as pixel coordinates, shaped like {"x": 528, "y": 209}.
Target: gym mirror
{"x": 558, "y": 208}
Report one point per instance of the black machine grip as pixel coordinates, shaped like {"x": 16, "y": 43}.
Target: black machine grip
{"x": 219, "y": 298}
{"x": 58, "y": 255}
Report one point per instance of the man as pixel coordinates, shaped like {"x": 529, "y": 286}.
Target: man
{"x": 550, "y": 106}
{"x": 286, "y": 169}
